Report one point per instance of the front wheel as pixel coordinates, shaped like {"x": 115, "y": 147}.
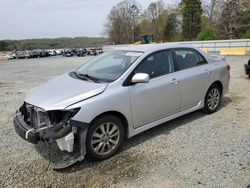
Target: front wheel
{"x": 212, "y": 99}
{"x": 104, "y": 137}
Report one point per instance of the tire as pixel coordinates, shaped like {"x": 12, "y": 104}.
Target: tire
{"x": 212, "y": 99}
{"x": 104, "y": 138}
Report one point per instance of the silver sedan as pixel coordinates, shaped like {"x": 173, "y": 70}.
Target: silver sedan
{"x": 119, "y": 94}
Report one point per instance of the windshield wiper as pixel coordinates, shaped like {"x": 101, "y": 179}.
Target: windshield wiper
{"x": 89, "y": 77}
{"x": 75, "y": 75}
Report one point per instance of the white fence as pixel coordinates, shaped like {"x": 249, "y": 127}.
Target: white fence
{"x": 211, "y": 45}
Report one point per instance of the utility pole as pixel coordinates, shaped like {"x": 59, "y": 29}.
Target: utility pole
{"x": 133, "y": 13}
{"x": 133, "y": 34}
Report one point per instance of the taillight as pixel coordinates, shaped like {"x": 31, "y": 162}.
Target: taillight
{"x": 228, "y": 67}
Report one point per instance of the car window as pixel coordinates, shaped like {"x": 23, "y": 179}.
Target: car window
{"x": 187, "y": 58}
{"x": 157, "y": 64}
{"x": 110, "y": 61}
{"x": 109, "y": 66}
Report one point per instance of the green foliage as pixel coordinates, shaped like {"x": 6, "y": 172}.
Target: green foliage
{"x": 4, "y": 46}
{"x": 244, "y": 22}
{"x": 170, "y": 28}
{"x": 234, "y": 21}
{"x": 207, "y": 34}
{"x": 29, "y": 44}
{"x": 246, "y": 35}
{"x": 226, "y": 18}
{"x": 159, "y": 21}
{"x": 191, "y": 16}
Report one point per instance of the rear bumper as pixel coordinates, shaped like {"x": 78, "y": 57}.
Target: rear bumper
{"x": 24, "y": 130}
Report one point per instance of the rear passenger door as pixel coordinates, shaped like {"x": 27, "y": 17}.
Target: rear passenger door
{"x": 192, "y": 71}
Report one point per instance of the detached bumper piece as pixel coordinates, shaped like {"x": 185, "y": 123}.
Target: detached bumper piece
{"x": 24, "y": 130}
{"x": 79, "y": 150}
{"x": 67, "y": 160}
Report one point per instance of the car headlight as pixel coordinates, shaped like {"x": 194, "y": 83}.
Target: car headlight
{"x": 57, "y": 116}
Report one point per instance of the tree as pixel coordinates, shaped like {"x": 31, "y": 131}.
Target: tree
{"x": 212, "y": 11}
{"x": 191, "y": 16}
{"x": 154, "y": 10}
{"x": 4, "y": 46}
{"x": 170, "y": 29}
{"x": 153, "y": 20}
{"x": 121, "y": 22}
{"x": 229, "y": 19}
{"x": 244, "y": 22}
{"x": 235, "y": 19}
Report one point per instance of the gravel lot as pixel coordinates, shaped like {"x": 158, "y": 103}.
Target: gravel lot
{"x": 196, "y": 150}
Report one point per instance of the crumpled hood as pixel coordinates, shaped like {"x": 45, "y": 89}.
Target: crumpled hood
{"x": 63, "y": 91}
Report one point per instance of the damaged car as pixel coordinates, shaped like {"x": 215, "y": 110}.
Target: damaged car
{"x": 119, "y": 94}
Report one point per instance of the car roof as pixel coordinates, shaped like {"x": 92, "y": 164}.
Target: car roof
{"x": 151, "y": 47}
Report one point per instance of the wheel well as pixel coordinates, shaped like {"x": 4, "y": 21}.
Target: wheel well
{"x": 218, "y": 83}
{"x": 117, "y": 114}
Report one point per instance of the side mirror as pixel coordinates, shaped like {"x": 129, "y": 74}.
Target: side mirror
{"x": 140, "y": 78}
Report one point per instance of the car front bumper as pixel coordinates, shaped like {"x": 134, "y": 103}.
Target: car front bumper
{"x": 24, "y": 130}
{"x": 76, "y": 152}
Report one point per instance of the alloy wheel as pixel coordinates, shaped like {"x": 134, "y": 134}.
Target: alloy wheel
{"x": 105, "y": 138}
{"x": 213, "y": 99}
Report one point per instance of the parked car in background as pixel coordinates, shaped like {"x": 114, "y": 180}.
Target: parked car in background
{"x": 118, "y": 95}
{"x": 21, "y": 55}
{"x": 11, "y": 55}
{"x": 52, "y": 52}
{"x": 81, "y": 52}
{"x": 59, "y": 52}
{"x": 247, "y": 68}
{"x": 41, "y": 53}
{"x": 69, "y": 53}
{"x": 92, "y": 51}
{"x": 34, "y": 54}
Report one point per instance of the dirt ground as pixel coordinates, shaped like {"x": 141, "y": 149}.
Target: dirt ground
{"x": 196, "y": 150}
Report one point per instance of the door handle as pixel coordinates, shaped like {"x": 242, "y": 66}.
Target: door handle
{"x": 174, "y": 81}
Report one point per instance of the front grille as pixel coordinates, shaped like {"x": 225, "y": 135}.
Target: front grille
{"x": 33, "y": 119}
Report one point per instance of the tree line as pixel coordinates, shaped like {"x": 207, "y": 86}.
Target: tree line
{"x": 186, "y": 20}
{"x": 30, "y": 44}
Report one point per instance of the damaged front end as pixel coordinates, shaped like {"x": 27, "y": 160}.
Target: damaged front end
{"x": 34, "y": 124}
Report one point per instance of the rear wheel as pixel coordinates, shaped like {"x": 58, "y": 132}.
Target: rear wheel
{"x": 104, "y": 137}
{"x": 212, "y": 99}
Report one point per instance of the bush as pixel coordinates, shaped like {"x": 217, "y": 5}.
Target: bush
{"x": 246, "y": 35}
{"x": 207, "y": 34}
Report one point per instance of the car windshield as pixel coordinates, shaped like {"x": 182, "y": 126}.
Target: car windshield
{"x": 108, "y": 66}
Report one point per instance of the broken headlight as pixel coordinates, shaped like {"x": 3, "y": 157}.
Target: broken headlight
{"x": 37, "y": 117}
{"x": 57, "y": 116}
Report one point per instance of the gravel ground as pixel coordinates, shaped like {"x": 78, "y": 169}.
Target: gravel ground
{"x": 196, "y": 150}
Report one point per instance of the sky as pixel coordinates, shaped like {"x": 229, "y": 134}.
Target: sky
{"x": 25, "y": 19}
